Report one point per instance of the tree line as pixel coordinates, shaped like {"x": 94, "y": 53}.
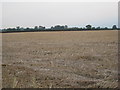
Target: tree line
{"x": 56, "y": 28}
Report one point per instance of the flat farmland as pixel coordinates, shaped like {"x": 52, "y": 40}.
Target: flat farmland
{"x": 65, "y": 59}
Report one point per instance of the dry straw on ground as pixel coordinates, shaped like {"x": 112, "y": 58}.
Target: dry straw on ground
{"x": 79, "y": 59}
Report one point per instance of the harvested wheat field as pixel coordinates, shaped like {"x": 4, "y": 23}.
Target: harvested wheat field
{"x": 65, "y": 59}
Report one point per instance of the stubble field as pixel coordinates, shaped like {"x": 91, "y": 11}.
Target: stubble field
{"x": 71, "y": 59}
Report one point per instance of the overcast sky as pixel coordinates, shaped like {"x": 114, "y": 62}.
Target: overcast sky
{"x": 30, "y": 14}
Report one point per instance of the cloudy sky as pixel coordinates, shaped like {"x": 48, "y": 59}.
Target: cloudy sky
{"x": 30, "y": 14}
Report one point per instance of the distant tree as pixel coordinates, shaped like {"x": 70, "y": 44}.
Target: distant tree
{"x": 41, "y": 28}
{"x": 88, "y": 26}
{"x": 98, "y": 28}
{"x": 22, "y": 29}
{"x": 114, "y": 27}
{"x": 65, "y": 26}
{"x": 80, "y": 28}
{"x": 58, "y": 27}
{"x": 36, "y": 27}
{"x": 18, "y": 27}
{"x": 83, "y": 28}
{"x": 106, "y": 28}
{"x": 27, "y": 28}
{"x": 93, "y": 28}
{"x": 52, "y": 27}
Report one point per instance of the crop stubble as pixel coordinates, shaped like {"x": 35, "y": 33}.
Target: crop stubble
{"x": 71, "y": 59}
